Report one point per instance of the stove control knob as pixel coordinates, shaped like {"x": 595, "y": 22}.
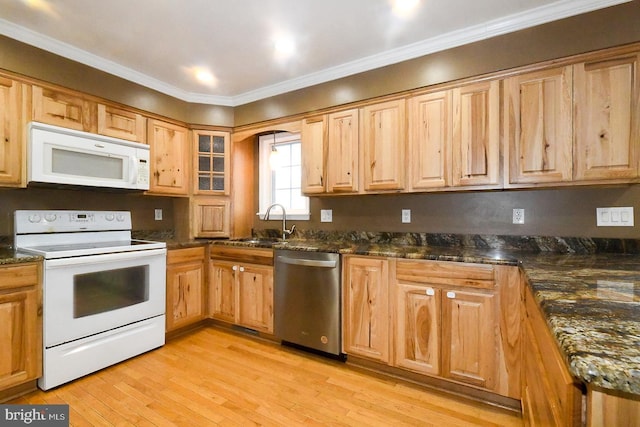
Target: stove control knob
{"x": 120, "y": 217}
{"x": 34, "y": 218}
{"x": 50, "y": 217}
{"x": 109, "y": 217}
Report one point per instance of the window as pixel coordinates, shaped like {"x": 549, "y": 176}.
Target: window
{"x": 280, "y": 176}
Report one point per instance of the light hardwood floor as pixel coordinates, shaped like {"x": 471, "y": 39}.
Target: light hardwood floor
{"x": 213, "y": 377}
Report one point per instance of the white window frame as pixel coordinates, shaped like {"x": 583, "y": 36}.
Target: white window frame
{"x": 266, "y": 177}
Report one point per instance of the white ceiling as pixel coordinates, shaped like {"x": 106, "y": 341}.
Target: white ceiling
{"x": 157, "y": 43}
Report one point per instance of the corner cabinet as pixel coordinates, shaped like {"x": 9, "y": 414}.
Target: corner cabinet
{"x": 185, "y": 287}
{"x": 212, "y": 165}
{"x": 13, "y": 101}
{"x": 241, "y": 287}
{"x": 210, "y": 217}
{"x": 170, "y": 158}
{"x": 21, "y": 320}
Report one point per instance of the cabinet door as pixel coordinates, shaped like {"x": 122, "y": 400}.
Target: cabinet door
{"x": 417, "y": 338}
{"x": 430, "y": 140}
{"x": 63, "y": 109}
{"x": 313, "y": 137}
{"x": 384, "y": 146}
{"x": 12, "y": 160}
{"x": 210, "y": 217}
{"x": 21, "y": 320}
{"x": 607, "y": 106}
{"x": 122, "y": 124}
{"x": 185, "y": 294}
{"x": 539, "y": 126}
{"x": 366, "y": 308}
{"x": 169, "y": 154}
{"x": 476, "y": 134}
{"x": 255, "y": 297}
{"x": 212, "y": 162}
{"x": 469, "y": 341}
{"x": 342, "y": 154}
{"x": 222, "y": 296}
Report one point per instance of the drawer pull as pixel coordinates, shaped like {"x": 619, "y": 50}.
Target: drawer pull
{"x": 430, "y": 292}
{"x": 451, "y": 295}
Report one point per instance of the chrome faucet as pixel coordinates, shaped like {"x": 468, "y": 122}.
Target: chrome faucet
{"x": 285, "y": 232}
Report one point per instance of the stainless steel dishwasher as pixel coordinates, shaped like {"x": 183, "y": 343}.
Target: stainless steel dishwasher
{"x": 307, "y": 300}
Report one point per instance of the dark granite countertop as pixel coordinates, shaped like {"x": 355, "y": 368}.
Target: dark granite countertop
{"x": 591, "y": 300}
{"x": 8, "y": 255}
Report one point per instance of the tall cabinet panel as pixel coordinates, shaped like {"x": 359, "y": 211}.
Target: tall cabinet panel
{"x": 430, "y": 140}
{"x": 12, "y": 141}
{"x": 314, "y": 158}
{"x": 343, "y": 149}
{"x": 476, "y": 134}
{"x": 384, "y": 146}
{"x": 607, "y": 109}
{"x": 539, "y": 126}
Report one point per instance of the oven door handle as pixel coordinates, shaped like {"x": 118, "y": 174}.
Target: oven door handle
{"x": 105, "y": 258}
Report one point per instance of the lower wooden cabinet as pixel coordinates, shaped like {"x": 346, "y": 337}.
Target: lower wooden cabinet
{"x": 185, "y": 287}
{"x": 21, "y": 320}
{"x": 241, "y": 287}
{"x": 366, "y": 307}
{"x": 455, "y": 321}
{"x": 550, "y": 395}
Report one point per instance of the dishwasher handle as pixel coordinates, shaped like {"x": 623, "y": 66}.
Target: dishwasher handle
{"x": 307, "y": 262}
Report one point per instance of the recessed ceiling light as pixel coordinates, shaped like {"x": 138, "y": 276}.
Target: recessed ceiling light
{"x": 41, "y": 6}
{"x": 203, "y": 75}
{"x": 284, "y": 47}
{"x": 404, "y": 8}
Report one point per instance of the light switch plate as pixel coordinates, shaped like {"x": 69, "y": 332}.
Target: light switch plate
{"x": 326, "y": 215}
{"x": 157, "y": 214}
{"x": 406, "y": 216}
{"x": 614, "y": 217}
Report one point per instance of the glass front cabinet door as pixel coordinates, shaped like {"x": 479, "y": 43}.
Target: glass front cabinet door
{"x": 212, "y": 162}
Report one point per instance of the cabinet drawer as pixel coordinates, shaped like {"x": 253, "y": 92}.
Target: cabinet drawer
{"x": 16, "y": 276}
{"x": 177, "y": 256}
{"x": 446, "y": 273}
{"x": 242, "y": 255}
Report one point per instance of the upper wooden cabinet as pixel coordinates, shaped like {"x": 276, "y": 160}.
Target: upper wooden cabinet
{"x": 607, "y": 111}
{"x": 313, "y": 137}
{"x": 123, "y": 124}
{"x": 539, "y": 127}
{"x": 170, "y": 158}
{"x": 476, "y": 134}
{"x": 429, "y": 141}
{"x": 210, "y": 217}
{"x": 383, "y": 140}
{"x": 12, "y": 132}
{"x": 65, "y": 109}
{"x": 343, "y": 151}
{"x": 212, "y": 162}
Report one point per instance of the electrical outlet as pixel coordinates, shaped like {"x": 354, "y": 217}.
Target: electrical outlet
{"x": 406, "y": 216}
{"x": 518, "y": 216}
{"x": 614, "y": 217}
{"x": 157, "y": 214}
{"x": 326, "y": 215}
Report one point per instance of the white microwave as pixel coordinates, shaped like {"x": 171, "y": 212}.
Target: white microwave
{"x": 64, "y": 156}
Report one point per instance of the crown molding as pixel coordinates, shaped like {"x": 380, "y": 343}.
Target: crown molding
{"x": 540, "y": 15}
